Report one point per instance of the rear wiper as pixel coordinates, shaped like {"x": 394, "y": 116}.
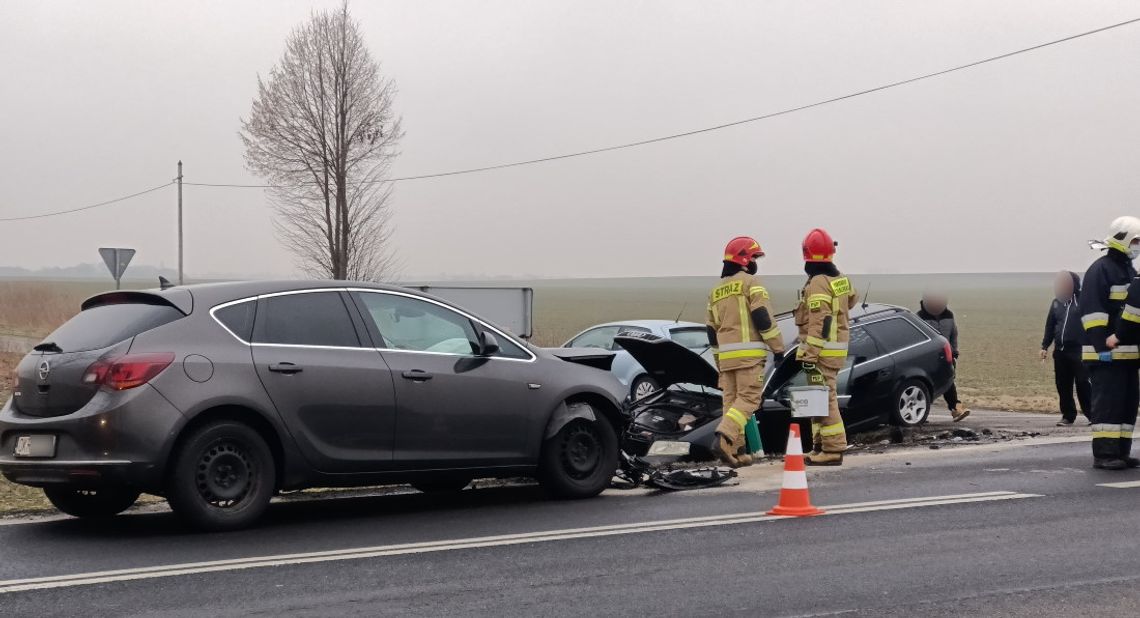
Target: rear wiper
{"x": 48, "y": 346}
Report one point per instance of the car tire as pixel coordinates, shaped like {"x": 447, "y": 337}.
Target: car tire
{"x": 221, "y": 477}
{"x": 441, "y": 485}
{"x": 99, "y": 503}
{"x": 911, "y": 404}
{"x": 642, "y": 387}
{"x": 580, "y": 460}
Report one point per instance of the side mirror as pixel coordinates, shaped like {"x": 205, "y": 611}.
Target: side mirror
{"x": 488, "y": 345}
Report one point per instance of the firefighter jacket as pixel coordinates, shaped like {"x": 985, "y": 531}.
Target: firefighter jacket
{"x": 822, "y": 317}
{"x": 1102, "y": 302}
{"x": 1128, "y": 328}
{"x": 741, "y": 325}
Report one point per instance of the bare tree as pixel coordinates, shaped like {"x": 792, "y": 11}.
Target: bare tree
{"x": 322, "y": 131}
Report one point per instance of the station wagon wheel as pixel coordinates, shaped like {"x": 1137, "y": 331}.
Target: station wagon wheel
{"x": 222, "y": 476}
{"x": 579, "y": 460}
{"x": 912, "y": 404}
{"x": 91, "y": 503}
{"x": 643, "y": 387}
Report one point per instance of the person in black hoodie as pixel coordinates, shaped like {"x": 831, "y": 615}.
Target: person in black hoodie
{"x": 933, "y": 309}
{"x": 1064, "y": 332}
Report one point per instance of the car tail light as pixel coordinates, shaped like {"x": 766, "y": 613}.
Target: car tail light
{"x": 948, "y": 351}
{"x": 127, "y": 371}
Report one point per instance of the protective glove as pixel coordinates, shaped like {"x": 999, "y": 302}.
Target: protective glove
{"x": 814, "y": 375}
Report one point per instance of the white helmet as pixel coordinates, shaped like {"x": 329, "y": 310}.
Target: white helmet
{"x": 1121, "y": 234}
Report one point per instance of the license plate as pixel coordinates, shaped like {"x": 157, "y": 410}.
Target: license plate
{"x": 35, "y": 446}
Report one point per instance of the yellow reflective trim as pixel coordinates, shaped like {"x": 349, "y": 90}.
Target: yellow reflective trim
{"x": 1117, "y": 295}
{"x": 742, "y": 354}
{"x": 770, "y": 334}
{"x": 820, "y": 297}
{"x": 1131, "y": 317}
{"x": 758, "y": 289}
{"x": 1106, "y": 434}
{"x": 835, "y": 353}
{"x": 745, "y": 321}
{"x": 737, "y": 416}
{"x": 831, "y": 430}
{"x": 1091, "y": 324}
{"x": 816, "y": 341}
{"x": 732, "y": 288}
{"x": 1090, "y": 356}
{"x": 1126, "y": 356}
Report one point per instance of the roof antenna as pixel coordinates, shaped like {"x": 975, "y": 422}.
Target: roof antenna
{"x": 865, "y": 295}
{"x": 164, "y": 283}
{"x": 680, "y": 313}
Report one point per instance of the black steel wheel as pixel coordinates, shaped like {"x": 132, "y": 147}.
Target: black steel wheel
{"x": 222, "y": 477}
{"x": 98, "y": 503}
{"x": 581, "y": 459}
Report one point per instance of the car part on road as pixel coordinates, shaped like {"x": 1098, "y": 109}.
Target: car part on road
{"x": 912, "y": 405}
{"x": 580, "y": 459}
{"x": 221, "y": 477}
{"x": 91, "y": 503}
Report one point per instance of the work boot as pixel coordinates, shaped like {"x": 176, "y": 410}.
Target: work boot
{"x": 958, "y": 413}
{"x": 745, "y": 459}
{"x": 1110, "y": 464}
{"x": 824, "y": 459}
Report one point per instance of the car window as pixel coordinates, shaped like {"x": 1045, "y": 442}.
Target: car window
{"x": 692, "y": 338}
{"x": 862, "y": 346}
{"x": 310, "y": 318}
{"x": 407, "y": 323}
{"x": 238, "y": 318}
{"x": 601, "y": 337}
{"x": 895, "y": 334}
{"x": 105, "y": 325}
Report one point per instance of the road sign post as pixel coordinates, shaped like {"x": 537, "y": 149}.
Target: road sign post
{"x": 116, "y": 259}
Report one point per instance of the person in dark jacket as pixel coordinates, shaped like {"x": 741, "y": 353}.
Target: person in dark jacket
{"x": 1064, "y": 332}
{"x": 934, "y": 310}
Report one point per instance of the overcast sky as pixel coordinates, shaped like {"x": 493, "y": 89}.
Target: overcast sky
{"x": 1007, "y": 167}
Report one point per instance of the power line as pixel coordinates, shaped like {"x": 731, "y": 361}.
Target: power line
{"x": 88, "y": 207}
{"x": 655, "y": 140}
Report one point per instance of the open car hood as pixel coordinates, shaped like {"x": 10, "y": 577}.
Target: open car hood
{"x": 668, "y": 361}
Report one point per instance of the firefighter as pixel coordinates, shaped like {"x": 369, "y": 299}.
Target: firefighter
{"x": 743, "y": 332}
{"x": 1112, "y": 359}
{"x": 822, "y": 318}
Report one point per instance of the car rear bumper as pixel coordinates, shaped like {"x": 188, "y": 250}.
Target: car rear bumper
{"x": 118, "y": 438}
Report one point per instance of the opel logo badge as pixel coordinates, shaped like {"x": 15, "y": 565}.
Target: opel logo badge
{"x": 44, "y": 370}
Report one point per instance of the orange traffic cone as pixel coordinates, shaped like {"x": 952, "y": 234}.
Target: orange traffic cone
{"x": 794, "y": 498}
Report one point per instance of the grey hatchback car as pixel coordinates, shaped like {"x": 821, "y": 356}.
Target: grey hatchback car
{"x": 217, "y": 396}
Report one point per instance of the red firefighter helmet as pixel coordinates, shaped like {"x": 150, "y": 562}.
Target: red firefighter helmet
{"x": 743, "y": 250}
{"x": 818, "y": 246}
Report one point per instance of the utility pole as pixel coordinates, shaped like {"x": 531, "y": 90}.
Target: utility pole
{"x": 179, "y": 179}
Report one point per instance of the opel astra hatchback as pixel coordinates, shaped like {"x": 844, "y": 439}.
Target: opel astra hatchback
{"x": 217, "y": 396}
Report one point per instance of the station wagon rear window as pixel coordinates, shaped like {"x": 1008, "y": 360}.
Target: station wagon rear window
{"x": 895, "y": 334}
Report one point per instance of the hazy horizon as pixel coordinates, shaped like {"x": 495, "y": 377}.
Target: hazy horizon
{"x": 1006, "y": 167}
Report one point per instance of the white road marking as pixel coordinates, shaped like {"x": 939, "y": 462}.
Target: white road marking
{"x": 173, "y": 570}
{"x": 1123, "y": 485}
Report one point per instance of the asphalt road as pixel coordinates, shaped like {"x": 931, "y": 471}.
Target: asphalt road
{"x": 1022, "y": 528}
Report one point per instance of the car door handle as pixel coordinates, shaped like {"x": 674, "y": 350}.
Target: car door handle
{"x": 286, "y": 368}
{"x": 417, "y": 375}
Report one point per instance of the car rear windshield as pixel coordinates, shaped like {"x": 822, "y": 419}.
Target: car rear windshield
{"x": 105, "y": 325}
{"x": 692, "y": 338}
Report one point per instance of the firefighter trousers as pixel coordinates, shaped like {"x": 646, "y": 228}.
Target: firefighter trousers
{"x": 828, "y": 434}
{"x": 1115, "y": 397}
{"x": 742, "y": 389}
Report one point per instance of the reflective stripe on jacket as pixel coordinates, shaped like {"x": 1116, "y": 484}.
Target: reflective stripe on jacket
{"x": 822, "y": 318}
